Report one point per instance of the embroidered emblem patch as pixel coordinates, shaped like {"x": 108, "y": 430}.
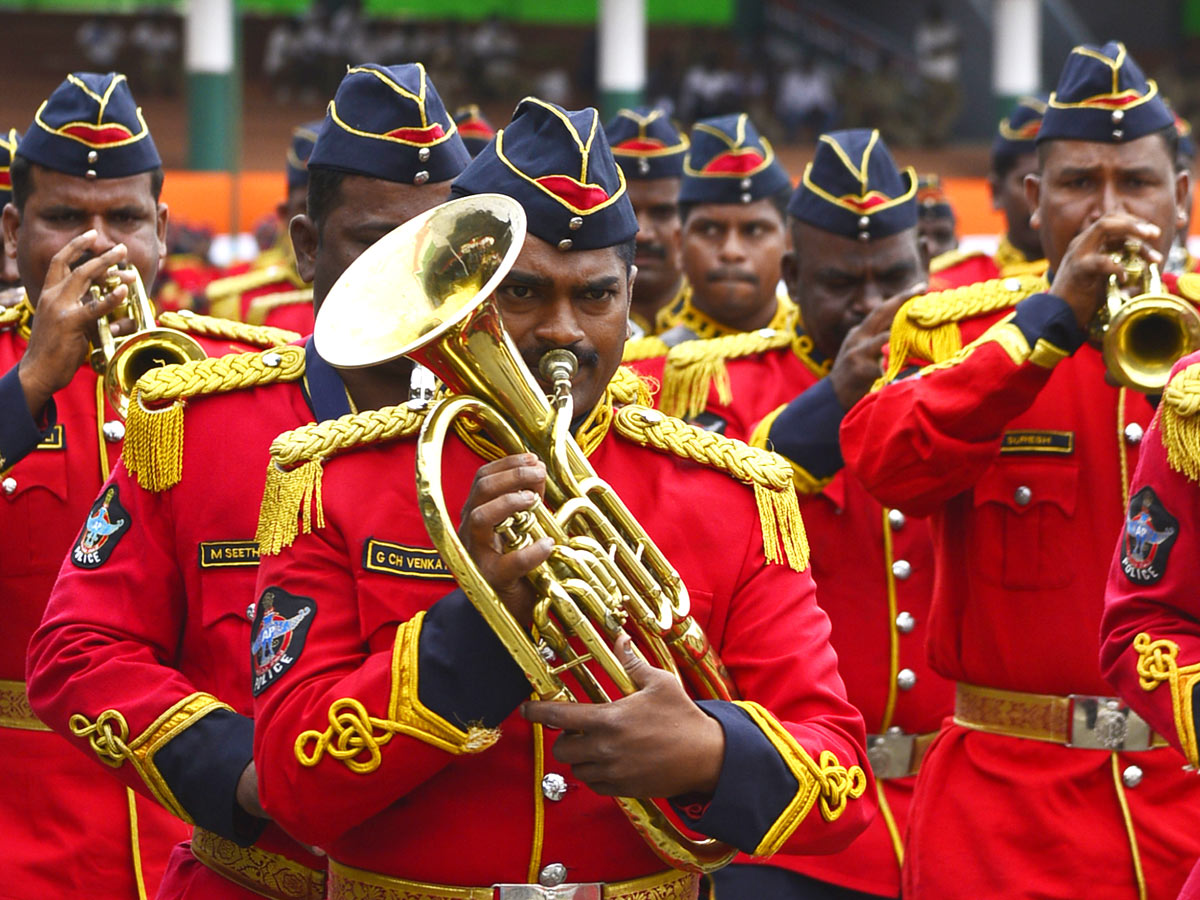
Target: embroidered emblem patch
{"x": 281, "y": 624}
{"x": 399, "y": 559}
{"x": 228, "y": 554}
{"x": 106, "y": 523}
{"x": 1150, "y": 533}
{"x": 55, "y": 440}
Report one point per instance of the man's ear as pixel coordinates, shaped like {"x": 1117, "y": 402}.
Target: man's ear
{"x": 10, "y": 220}
{"x": 1033, "y": 197}
{"x": 160, "y": 228}
{"x": 1183, "y": 183}
{"x": 305, "y": 238}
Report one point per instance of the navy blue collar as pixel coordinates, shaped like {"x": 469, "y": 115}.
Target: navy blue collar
{"x": 323, "y": 388}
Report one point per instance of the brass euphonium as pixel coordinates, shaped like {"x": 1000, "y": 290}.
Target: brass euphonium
{"x": 425, "y": 291}
{"x": 121, "y": 361}
{"x": 1143, "y": 330}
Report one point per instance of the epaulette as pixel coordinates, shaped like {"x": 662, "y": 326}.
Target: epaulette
{"x": 153, "y": 450}
{"x": 951, "y": 258}
{"x": 227, "y": 329}
{"x": 768, "y": 473}
{"x": 693, "y": 366}
{"x": 926, "y": 327}
{"x": 1189, "y": 286}
{"x": 292, "y": 496}
{"x": 236, "y": 285}
{"x": 16, "y": 315}
{"x": 646, "y": 347}
{"x": 1179, "y": 420}
{"x": 260, "y": 306}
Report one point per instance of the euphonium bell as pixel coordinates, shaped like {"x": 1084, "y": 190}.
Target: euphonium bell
{"x": 425, "y": 291}
{"x": 123, "y": 360}
{"x": 1143, "y": 330}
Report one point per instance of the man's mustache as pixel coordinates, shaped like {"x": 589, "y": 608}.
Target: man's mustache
{"x": 732, "y": 275}
{"x": 656, "y": 250}
{"x": 586, "y": 358}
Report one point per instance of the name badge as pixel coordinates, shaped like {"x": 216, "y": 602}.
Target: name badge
{"x": 228, "y": 554}
{"x": 398, "y": 559}
{"x": 55, "y": 440}
{"x": 1060, "y": 442}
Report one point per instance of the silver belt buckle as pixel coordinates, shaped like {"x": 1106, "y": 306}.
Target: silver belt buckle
{"x": 890, "y": 754}
{"x": 1106, "y": 723}
{"x": 580, "y": 891}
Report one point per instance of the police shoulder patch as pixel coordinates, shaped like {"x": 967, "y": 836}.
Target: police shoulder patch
{"x": 1150, "y": 533}
{"x": 106, "y": 523}
{"x": 281, "y": 623}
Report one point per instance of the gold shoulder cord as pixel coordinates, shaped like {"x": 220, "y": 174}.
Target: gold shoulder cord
{"x": 228, "y": 329}
{"x": 694, "y": 366}
{"x": 1179, "y": 423}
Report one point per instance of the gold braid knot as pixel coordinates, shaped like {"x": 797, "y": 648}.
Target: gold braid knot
{"x": 292, "y": 495}
{"x": 108, "y": 736}
{"x": 1156, "y": 660}
{"x": 1179, "y": 423}
{"x": 838, "y": 784}
{"x": 228, "y": 329}
{"x": 768, "y": 473}
{"x": 693, "y": 367}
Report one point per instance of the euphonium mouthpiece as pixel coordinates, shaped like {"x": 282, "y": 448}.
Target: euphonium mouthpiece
{"x": 558, "y": 365}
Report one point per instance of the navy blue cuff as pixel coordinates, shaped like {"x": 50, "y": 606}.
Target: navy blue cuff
{"x": 465, "y": 674}
{"x": 1049, "y": 318}
{"x": 20, "y": 433}
{"x": 202, "y": 766}
{"x": 806, "y": 431}
{"x": 754, "y": 788}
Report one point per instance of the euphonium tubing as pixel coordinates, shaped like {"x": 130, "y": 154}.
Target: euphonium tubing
{"x": 424, "y": 291}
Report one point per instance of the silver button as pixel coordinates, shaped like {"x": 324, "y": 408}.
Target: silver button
{"x": 552, "y": 875}
{"x": 565, "y": 244}
{"x": 272, "y": 360}
{"x": 250, "y": 610}
{"x": 1118, "y": 134}
{"x": 906, "y": 622}
{"x": 896, "y": 519}
{"x": 1022, "y": 495}
{"x": 1132, "y": 776}
{"x": 746, "y": 184}
{"x": 90, "y": 174}
{"x": 902, "y": 568}
{"x": 746, "y": 198}
{"x": 906, "y": 679}
{"x": 1134, "y": 433}
{"x": 554, "y": 786}
{"x": 1012, "y": 284}
{"x": 114, "y": 430}
{"x": 650, "y": 416}
{"x": 9, "y": 484}
{"x": 423, "y": 154}
{"x": 187, "y": 314}
{"x": 93, "y": 156}
{"x": 575, "y": 223}
{"x": 421, "y": 177}
{"x": 643, "y": 165}
{"x": 864, "y": 222}
{"x": 1117, "y": 116}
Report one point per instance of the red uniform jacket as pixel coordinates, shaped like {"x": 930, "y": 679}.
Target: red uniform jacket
{"x": 874, "y": 573}
{"x": 190, "y": 548}
{"x": 68, "y": 833}
{"x": 370, "y": 617}
{"x": 1151, "y": 628}
{"x": 1020, "y": 452}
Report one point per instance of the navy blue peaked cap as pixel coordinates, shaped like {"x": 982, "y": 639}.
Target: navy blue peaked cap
{"x": 556, "y": 163}
{"x": 1017, "y": 132}
{"x": 91, "y": 127}
{"x": 474, "y": 128}
{"x": 389, "y": 122}
{"x": 8, "y": 146}
{"x": 1187, "y": 141}
{"x": 303, "y": 138}
{"x": 646, "y": 143}
{"x": 1102, "y": 95}
{"x": 853, "y": 188}
{"x": 730, "y": 162}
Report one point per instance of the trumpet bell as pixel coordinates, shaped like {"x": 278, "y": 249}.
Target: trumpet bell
{"x": 140, "y": 353}
{"x": 419, "y": 281}
{"x": 1146, "y": 336}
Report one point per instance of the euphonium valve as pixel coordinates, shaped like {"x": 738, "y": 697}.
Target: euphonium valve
{"x": 425, "y": 291}
{"x": 123, "y": 360}
{"x": 1142, "y": 329}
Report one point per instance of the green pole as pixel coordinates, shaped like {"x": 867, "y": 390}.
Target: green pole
{"x": 621, "y": 54}
{"x": 213, "y": 86}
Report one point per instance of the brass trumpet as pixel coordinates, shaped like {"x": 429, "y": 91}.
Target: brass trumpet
{"x": 121, "y": 361}
{"x": 425, "y": 291}
{"x": 1142, "y": 329}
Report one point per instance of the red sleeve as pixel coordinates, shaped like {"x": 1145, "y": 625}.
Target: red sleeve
{"x": 1150, "y": 631}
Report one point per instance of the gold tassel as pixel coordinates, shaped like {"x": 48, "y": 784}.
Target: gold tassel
{"x": 1181, "y": 438}
{"x": 290, "y": 499}
{"x": 909, "y": 341}
{"x": 782, "y": 528}
{"x": 687, "y": 377}
{"x": 153, "y": 448}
